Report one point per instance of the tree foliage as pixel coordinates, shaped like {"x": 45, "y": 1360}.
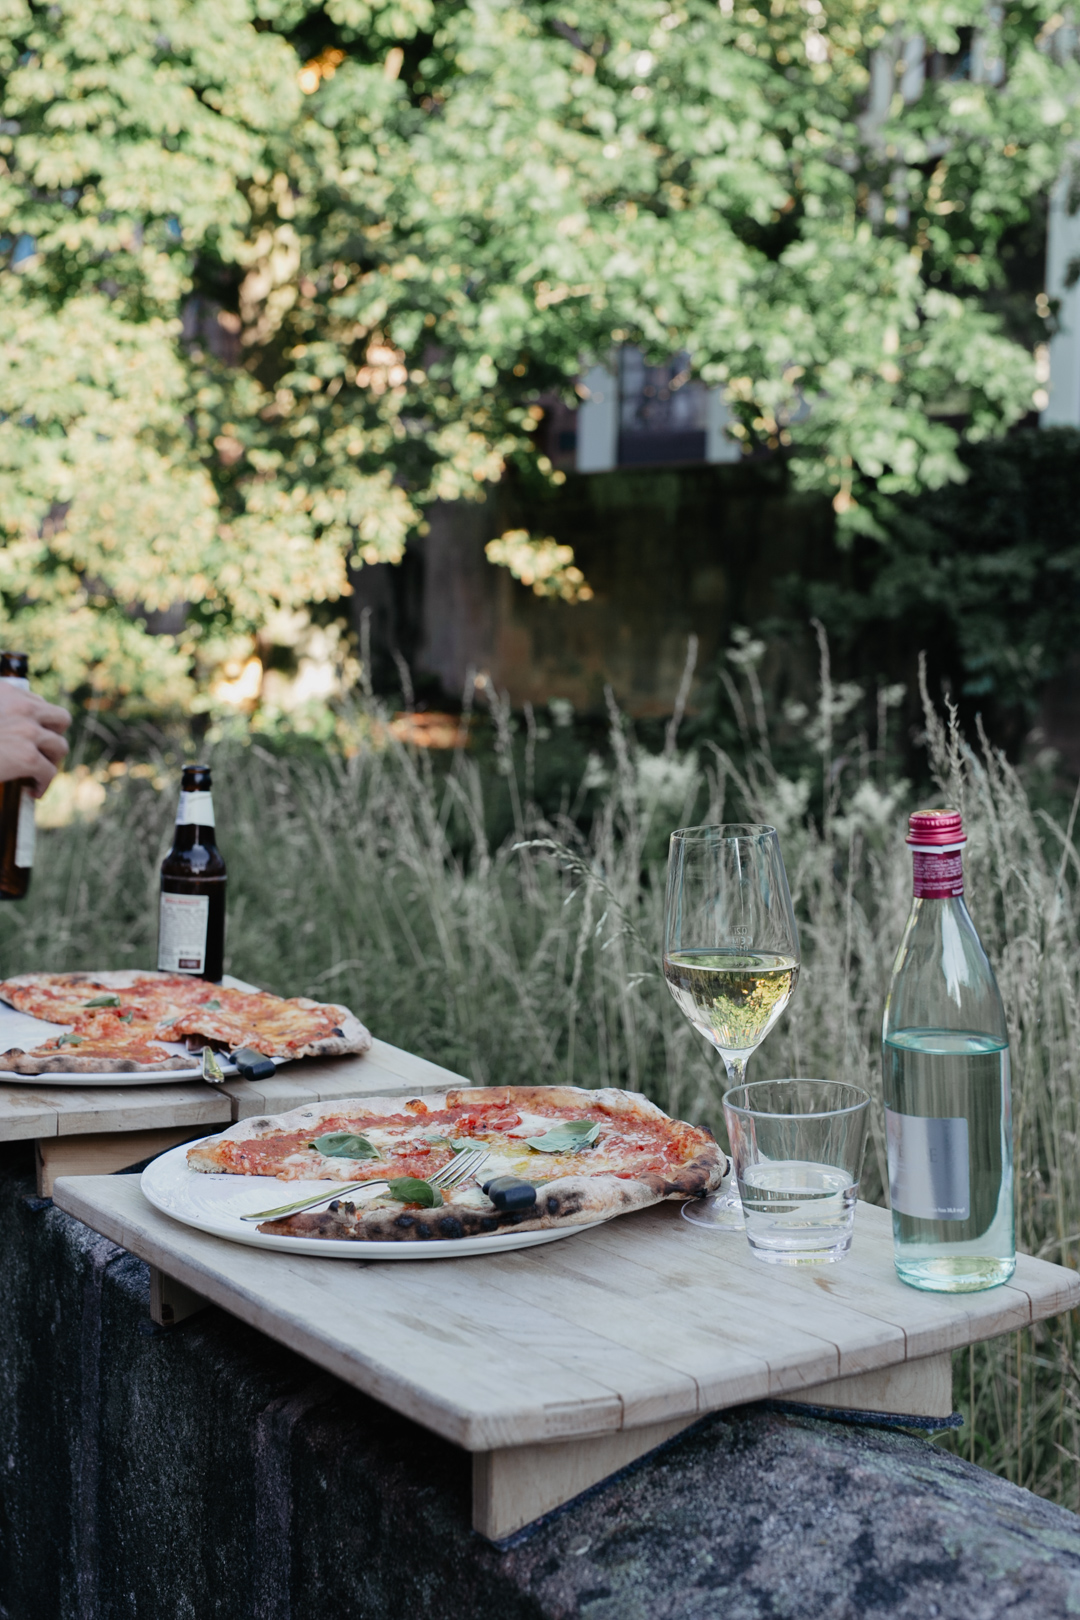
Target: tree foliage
{"x": 275, "y": 275}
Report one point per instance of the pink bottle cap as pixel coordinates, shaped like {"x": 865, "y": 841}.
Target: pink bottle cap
{"x": 930, "y": 828}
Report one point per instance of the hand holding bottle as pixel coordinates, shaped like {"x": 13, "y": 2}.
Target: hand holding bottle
{"x": 32, "y": 744}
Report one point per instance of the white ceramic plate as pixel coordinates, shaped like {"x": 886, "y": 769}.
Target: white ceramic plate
{"x": 19, "y": 1029}
{"x": 215, "y": 1203}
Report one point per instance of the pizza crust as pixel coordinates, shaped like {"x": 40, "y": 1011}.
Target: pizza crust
{"x": 573, "y": 1200}
{"x": 18, "y": 1062}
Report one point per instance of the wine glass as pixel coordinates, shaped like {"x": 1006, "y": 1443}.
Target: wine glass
{"x": 731, "y": 956}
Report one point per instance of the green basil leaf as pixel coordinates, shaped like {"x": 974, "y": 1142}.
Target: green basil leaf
{"x": 70, "y": 1040}
{"x": 566, "y": 1137}
{"x": 345, "y": 1145}
{"x": 463, "y": 1144}
{"x": 125, "y": 1018}
{"x": 212, "y": 1005}
{"x": 103, "y": 1001}
{"x": 411, "y": 1190}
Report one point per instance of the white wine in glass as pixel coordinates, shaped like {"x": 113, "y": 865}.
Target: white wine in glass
{"x": 731, "y": 955}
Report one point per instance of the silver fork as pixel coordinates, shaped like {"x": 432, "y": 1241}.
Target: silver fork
{"x": 459, "y": 1169}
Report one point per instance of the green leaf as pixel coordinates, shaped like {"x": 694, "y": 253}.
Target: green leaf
{"x": 212, "y": 1005}
{"x": 566, "y": 1137}
{"x": 345, "y": 1145}
{"x": 70, "y": 1040}
{"x": 411, "y": 1190}
{"x": 125, "y": 1018}
{"x": 462, "y": 1144}
{"x": 103, "y": 1001}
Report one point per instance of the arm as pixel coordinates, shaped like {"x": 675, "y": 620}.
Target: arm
{"x": 32, "y": 741}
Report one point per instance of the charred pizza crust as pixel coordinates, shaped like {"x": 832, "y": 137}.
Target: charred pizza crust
{"x": 567, "y": 1200}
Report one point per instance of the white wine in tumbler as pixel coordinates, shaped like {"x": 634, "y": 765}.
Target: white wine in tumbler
{"x": 945, "y": 1061}
{"x": 732, "y": 997}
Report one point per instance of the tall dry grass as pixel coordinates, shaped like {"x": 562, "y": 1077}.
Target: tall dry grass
{"x": 372, "y": 880}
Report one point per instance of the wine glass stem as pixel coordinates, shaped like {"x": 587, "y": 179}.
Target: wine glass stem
{"x": 736, "y": 1073}
{"x": 736, "y": 1069}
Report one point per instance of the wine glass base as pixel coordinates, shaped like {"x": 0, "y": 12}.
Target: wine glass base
{"x": 720, "y": 1212}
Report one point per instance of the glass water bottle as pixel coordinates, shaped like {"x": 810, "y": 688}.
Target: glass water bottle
{"x": 945, "y": 1059}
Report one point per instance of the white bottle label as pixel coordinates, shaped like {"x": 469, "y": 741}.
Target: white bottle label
{"x": 182, "y": 933}
{"x": 196, "y": 810}
{"x": 26, "y": 832}
{"x": 929, "y": 1168}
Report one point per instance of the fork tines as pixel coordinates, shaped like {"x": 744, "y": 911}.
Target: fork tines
{"x": 460, "y": 1168}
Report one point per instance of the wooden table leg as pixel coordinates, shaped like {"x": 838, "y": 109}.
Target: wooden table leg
{"x": 100, "y": 1153}
{"x": 172, "y": 1301}
{"x": 512, "y": 1488}
{"x": 922, "y": 1388}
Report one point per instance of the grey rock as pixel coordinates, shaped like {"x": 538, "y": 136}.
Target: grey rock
{"x": 206, "y": 1472}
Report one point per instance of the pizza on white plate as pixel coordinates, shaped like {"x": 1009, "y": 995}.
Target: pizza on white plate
{"x": 556, "y": 1156}
{"x": 119, "y": 1022}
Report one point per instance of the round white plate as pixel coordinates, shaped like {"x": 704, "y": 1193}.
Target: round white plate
{"x": 215, "y": 1203}
{"x": 155, "y": 1077}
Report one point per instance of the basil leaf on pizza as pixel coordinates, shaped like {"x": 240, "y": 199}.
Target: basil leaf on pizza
{"x": 411, "y": 1190}
{"x": 345, "y": 1145}
{"x": 103, "y": 1001}
{"x": 568, "y": 1136}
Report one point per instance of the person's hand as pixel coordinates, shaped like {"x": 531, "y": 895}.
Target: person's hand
{"x": 32, "y": 741}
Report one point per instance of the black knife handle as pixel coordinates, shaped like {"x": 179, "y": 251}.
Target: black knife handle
{"x": 510, "y": 1192}
{"x": 254, "y": 1065}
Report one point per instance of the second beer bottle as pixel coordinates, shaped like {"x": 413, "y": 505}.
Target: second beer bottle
{"x": 191, "y": 936}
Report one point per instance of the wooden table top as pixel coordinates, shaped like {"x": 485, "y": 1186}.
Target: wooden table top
{"x": 641, "y": 1320}
{"x": 29, "y": 1109}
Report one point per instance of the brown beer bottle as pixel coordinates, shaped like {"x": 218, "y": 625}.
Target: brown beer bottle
{"x": 191, "y": 933}
{"x": 16, "y": 805}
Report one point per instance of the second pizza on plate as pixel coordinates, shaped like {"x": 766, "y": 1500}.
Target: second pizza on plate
{"x": 124, "y": 1021}
{"x": 588, "y": 1155}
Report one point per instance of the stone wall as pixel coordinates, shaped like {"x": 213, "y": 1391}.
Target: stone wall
{"x": 204, "y": 1472}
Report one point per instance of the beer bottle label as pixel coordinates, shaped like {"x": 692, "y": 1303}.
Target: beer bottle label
{"x": 196, "y": 810}
{"x": 182, "y": 933}
{"x": 26, "y": 831}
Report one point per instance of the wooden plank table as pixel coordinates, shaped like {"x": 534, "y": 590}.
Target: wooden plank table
{"x": 557, "y": 1365}
{"x": 80, "y": 1131}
